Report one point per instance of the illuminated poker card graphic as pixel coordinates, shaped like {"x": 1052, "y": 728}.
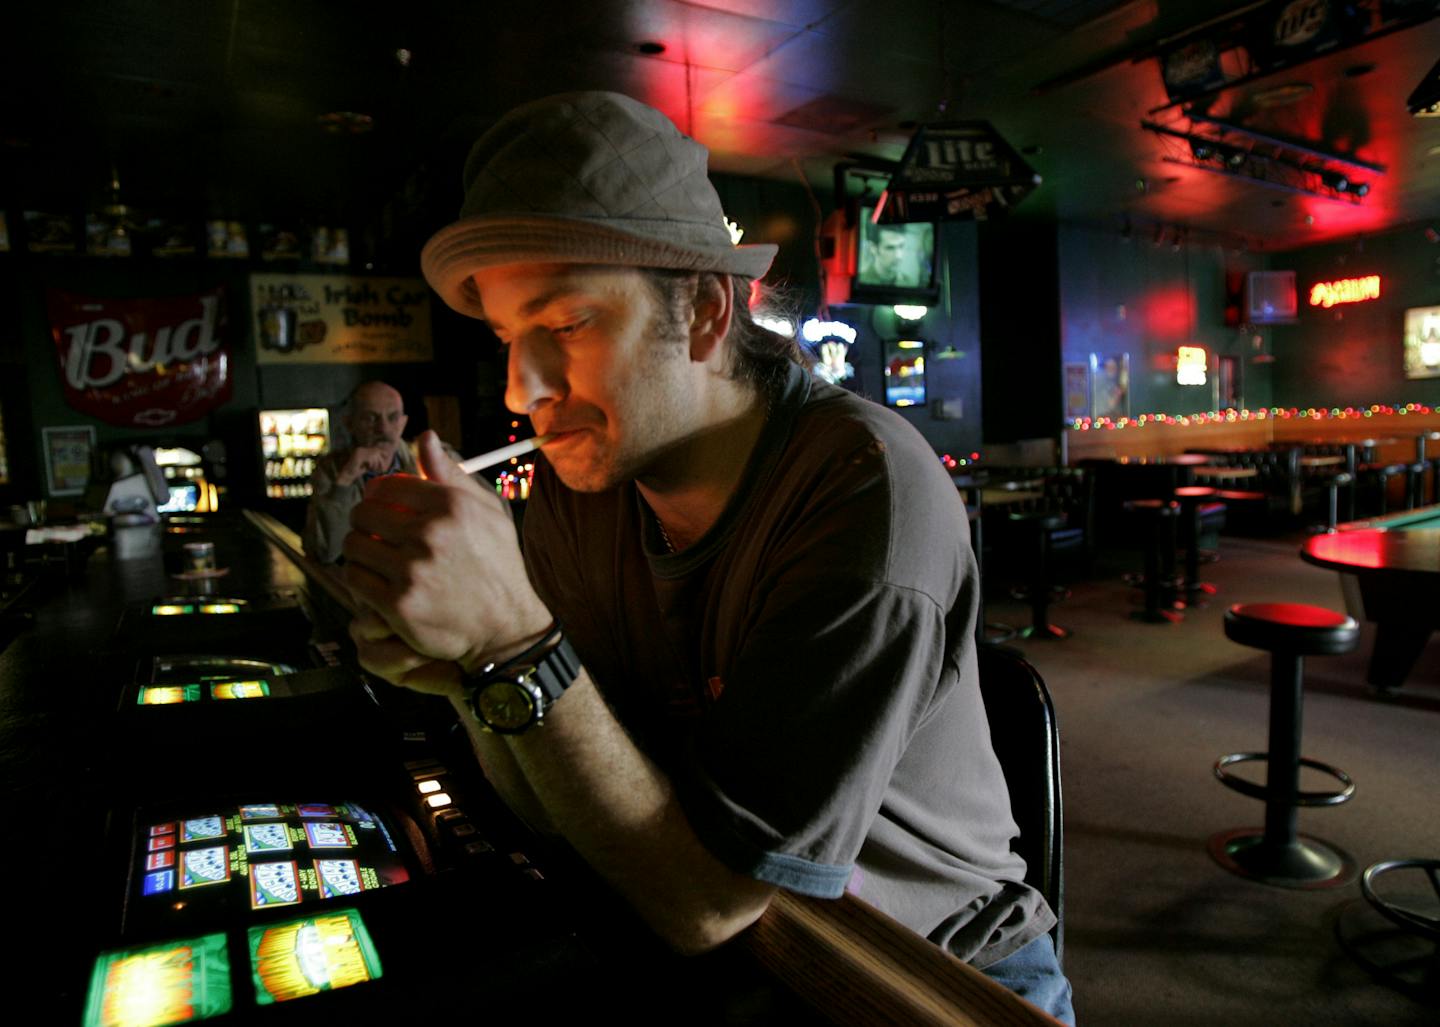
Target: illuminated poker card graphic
{"x": 167, "y": 695}
{"x": 311, "y": 955}
{"x": 260, "y": 811}
{"x": 199, "y": 867}
{"x": 177, "y": 982}
{"x": 261, "y": 838}
{"x": 328, "y": 835}
{"x": 240, "y": 690}
{"x": 338, "y": 877}
{"x": 315, "y": 809}
{"x": 203, "y": 829}
{"x": 274, "y": 884}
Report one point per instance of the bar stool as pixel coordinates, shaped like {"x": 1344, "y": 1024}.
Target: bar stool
{"x": 1404, "y": 916}
{"x": 1159, "y": 516}
{"x": 1334, "y": 483}
{"x": 995, "y": 633}
{"x": 1279, "y": 855}
{"x": 1190, "y": 497}
{"x": 1040, "y": 524}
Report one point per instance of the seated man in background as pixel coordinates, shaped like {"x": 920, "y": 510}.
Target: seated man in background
{"x": 375, "y": 417}
{"x": 745, "y": 609}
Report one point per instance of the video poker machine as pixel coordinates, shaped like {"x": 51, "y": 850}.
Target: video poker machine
{"x": 324, "y": 911}
{"x": 284, "y": 842}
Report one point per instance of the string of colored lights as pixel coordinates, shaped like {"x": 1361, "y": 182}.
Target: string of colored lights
{"x": 1264, "y": 413}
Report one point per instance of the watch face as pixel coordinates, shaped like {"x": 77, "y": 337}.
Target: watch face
{"x": 505, "y": 706}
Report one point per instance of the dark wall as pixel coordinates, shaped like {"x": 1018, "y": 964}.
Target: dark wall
{"x": 1020, "y": 329}
{"x": 1144, "y": 296}
{"x": 1351, "y": 354}
{"x": 467, "y": 364}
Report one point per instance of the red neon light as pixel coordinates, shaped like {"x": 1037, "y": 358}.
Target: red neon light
{"x": 1346, "y": 290}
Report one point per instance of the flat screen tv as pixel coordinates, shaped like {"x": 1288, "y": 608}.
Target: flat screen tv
{"x": 894, "y": 263}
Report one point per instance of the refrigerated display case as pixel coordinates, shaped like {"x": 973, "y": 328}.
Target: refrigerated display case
{"x": 290, "y": 443}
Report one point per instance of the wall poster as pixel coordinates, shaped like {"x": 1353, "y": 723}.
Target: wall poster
{"x": 67, "y": 459}
{"x": 340, "y": 319}
{"x": 1422, "y": 342}
{"x": 1077, "y": 392}
{"x": 1110, "y": 385}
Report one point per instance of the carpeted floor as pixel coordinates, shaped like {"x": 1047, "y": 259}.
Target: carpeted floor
{"x": 1156, "y": 931}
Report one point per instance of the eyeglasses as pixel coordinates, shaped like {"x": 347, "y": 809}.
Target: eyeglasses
{"x": 369, "y": 417}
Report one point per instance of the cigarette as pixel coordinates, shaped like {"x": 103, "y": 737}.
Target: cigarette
{"x": 499, "y": 456}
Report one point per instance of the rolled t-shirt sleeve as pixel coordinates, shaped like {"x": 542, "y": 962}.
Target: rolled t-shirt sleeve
{"x": 794, "y": 758}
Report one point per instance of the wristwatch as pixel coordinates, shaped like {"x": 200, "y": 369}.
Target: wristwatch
{"x": 514, "y": 697}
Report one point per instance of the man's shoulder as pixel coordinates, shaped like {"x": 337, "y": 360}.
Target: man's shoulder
{"x": 839, "y": 425}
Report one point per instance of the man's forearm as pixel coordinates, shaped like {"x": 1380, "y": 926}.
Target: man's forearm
{"x": 620, "y": 812}
{"x": 503, "y": 772}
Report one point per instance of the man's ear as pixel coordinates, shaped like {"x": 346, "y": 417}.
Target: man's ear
{"x": 710, "y": 317}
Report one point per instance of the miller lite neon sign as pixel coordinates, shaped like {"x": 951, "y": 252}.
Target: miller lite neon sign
{"x": 1346, "y": 290}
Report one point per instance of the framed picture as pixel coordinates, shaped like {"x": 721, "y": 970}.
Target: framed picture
{"x": 1077, "y": 392}
{"x": 67, "y": 459}
{"x": 1110, "y": 385}
{"x": 1422, "y": 342}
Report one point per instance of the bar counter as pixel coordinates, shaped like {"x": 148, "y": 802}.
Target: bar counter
{"x": 491, "y": 919}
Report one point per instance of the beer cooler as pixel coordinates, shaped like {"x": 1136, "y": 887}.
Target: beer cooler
{"x": 290, "y": 443}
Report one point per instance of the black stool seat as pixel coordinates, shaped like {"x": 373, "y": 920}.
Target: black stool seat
{"x": 1291, "y": 627}
{"x": 1279, "y": 854}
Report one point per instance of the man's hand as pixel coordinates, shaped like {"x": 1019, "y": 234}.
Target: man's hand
{"x": 385, "y": 654}
{"x": 363, "y": 460}
{"x": 437, "y": 561}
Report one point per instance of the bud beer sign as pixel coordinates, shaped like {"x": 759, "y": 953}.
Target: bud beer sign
{"x": 142, "y": 363}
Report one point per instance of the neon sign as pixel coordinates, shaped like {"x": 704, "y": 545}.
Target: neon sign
{"x": 1346, "y": 290}
{"x": 1191, "y": 363}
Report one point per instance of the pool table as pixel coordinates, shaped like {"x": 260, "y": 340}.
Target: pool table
{"x": 1394, "y": 564}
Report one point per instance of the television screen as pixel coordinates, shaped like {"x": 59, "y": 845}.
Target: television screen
{"x": 894, "y": 262}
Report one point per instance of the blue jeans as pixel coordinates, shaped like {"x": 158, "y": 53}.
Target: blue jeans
{"x": 1034, "y": 974}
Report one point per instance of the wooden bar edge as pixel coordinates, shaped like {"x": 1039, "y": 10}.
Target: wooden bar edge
{"x": 858, "y": 966}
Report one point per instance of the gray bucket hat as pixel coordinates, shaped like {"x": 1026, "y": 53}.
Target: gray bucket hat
{"x": 585, "y": 178}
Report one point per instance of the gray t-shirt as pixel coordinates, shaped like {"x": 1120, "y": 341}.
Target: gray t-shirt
{"x": 805, "y": 672}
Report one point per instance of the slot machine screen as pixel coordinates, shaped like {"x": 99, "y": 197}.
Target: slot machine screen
{"x": 229, "y": 861}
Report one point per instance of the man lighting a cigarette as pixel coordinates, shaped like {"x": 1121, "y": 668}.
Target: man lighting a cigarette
{"x": 737, "y": 652}
{"x": 375, "y": 417}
